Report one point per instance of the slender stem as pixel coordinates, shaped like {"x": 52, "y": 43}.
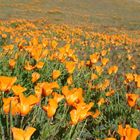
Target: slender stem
{"x": 71, "y": 131}
{"x": 21, "y": 122}
{"x": 2, "y": 130}
{"x": 82, "y": 129}
{"x": 11, "y": 121}
{"x": 1, "y": 114}
{"x": 7, "y": 124}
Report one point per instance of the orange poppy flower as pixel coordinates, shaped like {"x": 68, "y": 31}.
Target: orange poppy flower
{"x": 104, "y": 61}
{"x": 39, "y": 65}
{"x": 36, "y": 53}
{"x": 94, "y": 58}
{"x": 137, "y": 80}
{"x": 20, "y": 134}
{"x": 94, "y": 76}
{"x": 101, "y": 101}
{"x": 103, "y": 85}
{"x": 103, "y": 53}
{"x": 8, "y": 48}
{"x": 110, "y": 93}
{"x": 4, "y": 35}
{"x": 35, "y": 76}
{"x": 96, "y": 114}
{"x": 99, "y": 69}
{"x": 70, "y": 66}
{"x": 11, "y": 104}
{"x": 128, "y": 133}
{"x": 129, "y": 77}
{"x": 53, "y": 105}
{"x": 113, "y": 69}
{"x": 6, "y": 83}
{"x": 56, "y": 74}
{"x": 27, "y": 103}
{"x": 47, "y": 88}
{"x": 70, "y": 80}
{"x": 51, "y": 108}
{"x": 38, "y": 90}
{"x": 12, "y": 63}
{"x": 72, "y": 96}
{"x": 54, "y": 44}
{"x": 132, "y": 99}
{"x": 57, "y": 97}
{"x": 28, "y": 67}
{"x": 110, "y": 139}
{"x": 17, "y": 89}
{"x": 80, "y": 113}
{"x": 34, "y": 41}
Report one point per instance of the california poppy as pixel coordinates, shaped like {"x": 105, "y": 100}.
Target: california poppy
{"x": 56, "y": 74}
{"x": 69, "y": 80}
{"x": 27, "y": 103}
{"x": 17, "y": 89}
{"x": 28, "y": 67}
{"x": 129, "y": 77}
{"x": 20, "y": 134}
{"x": 39, "y": 65}
{"x": 70, "y": 66}
{"x": 101, "y": 101}
{"x": 137, "y": 80}
{"x": 54, "y": 44}
{"x": 35, "y": 76}
{"x": 110, "y": 93}
{"x": 12, "y": 63}
{"x": 11, "y": 104}
{"x": 128, "y": 133}
{"x": 131, "y": 99}
{"x": 96, "y": 114}
{"x": 113, "y": 69}
{"x": 53, "y": 104}
{"x": 104, "y": 61}
{"x": 47, "y": 88}
{"x": 72, "y": 96}
{"x": 80, "y": 113}
{"x": 110, "y": 139}
{"x": 51, "y": 107}
{"x": 94, "y": 58}
{"x": 6, "y": 82}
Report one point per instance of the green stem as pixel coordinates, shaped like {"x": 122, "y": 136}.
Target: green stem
{"x": 21, "y": 122}
{"x": 7, "y": 124}
{"x": 71, "y": 132}
{"x": 2, "y": 130}
{"x": 11, "y": 121}
{"x": 82, "y": 129}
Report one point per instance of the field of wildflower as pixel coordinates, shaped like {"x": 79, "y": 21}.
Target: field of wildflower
{"x": 59, "y": 82}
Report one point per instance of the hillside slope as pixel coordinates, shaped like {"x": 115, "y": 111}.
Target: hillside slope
{"x": 120, "y": 13}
